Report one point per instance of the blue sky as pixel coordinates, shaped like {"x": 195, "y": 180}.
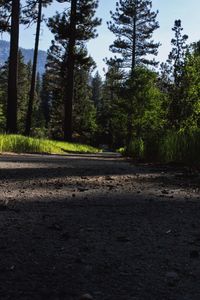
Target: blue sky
{"x": 169, "y": 10}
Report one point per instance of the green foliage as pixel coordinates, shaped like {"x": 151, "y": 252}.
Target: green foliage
{"x": 177, "y": 55}
{"x": 173, "y": 72}
{"x": 182, "y": 146}
{"x": 133, "y": 24}
{"x": 97, "y": 89}
{"x": 148, "y": 116}
{"x": 22, "y": 144}
{"x": 190, "y": 102}
{"x": 136, "y": 149}
{"x": 84, "y": 112}
{"x": 144, "y": 106}
{"x": 2, "y": 118}
{"x": 24, "y": 75}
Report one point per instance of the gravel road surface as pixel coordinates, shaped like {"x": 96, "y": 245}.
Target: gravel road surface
{"x": 97, "y": 227}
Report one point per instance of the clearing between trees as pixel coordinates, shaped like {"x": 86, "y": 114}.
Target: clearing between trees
{"x": 97, "y": 224}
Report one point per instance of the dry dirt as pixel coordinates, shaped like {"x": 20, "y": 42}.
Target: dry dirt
{"x": 97, "y": 225}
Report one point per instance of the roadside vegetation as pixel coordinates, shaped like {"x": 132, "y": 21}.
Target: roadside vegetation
{"x": 22, "y": 144}
{"x": 148, "y": 109}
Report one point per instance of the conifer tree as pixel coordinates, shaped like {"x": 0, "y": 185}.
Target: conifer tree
{"x": 45, "y": 95}
{"x": 53, "y": 86}
{"x": 177, "y": 55}
{"x": 5, "y": 15}
{"x": 3, "y": 95}
{"x": 84, "y": 112}
{"x": 33, "y": 13}
{"x": 110, "y": 116}
{"x": 73, "y": 29}
{"x": 24, "y": 77}
{"x": 176, "y": 62}
{"x": 97, "y": 89}
{"x": 134, "y": 23}
{"x": 23, "y": 86}
{"x": 9, "y": 20}
{"x": 52, "y": 91}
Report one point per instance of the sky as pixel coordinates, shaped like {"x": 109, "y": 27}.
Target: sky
{"x": 169, "y": 10}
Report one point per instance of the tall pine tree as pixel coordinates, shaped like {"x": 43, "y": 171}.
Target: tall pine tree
{"x": 73, "y": 29}
{"x": 134, "y": 23}
{"x": 33, "y": 12}
{"x": 9, "y": 20}
{"x": 176, "y": 63}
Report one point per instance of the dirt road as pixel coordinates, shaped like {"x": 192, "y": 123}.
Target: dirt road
{"x": 97, "y": 225}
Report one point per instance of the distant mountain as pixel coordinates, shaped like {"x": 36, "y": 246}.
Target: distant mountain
{"x": 27, "y": 53}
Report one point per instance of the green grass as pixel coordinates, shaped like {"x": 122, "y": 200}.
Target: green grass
{"x": 121, "y": 150}
{"x": 182, "y": 146}
{"x": 22, "y": 144}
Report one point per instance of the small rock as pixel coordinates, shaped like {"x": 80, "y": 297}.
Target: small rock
{"x": 86, "y": 297}
{"x": 109, "y": 178}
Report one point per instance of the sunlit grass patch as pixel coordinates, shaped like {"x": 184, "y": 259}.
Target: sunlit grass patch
{"x": 22, "y": 144}
{"x": 121, "y": 150}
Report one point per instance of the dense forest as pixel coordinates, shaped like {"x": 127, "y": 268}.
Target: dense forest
{"x": 148, "y": 109}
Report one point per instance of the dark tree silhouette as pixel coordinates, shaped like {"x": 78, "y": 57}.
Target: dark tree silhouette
{"x": 11, "y": 125}
{"x": 73, "y": 30}
{"x": 69, "y": 89}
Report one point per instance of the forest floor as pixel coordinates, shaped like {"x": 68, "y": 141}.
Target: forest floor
{"x": 97, "y": 225}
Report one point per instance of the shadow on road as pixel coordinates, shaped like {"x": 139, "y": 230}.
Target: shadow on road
{"x": 119, "y": 245}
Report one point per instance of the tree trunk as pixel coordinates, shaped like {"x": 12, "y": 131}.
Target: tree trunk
{"x": 11, "y": 122}
{"x": 69, "y": 89}
{"x": 34, "y": 69}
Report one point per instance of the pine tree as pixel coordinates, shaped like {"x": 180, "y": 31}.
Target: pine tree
{"x": 97, "y": 89}
{"x": 3, "y": 95}
{"x": 110, "y": 113}
{"x": 11, "y": 126}
{"x": 23, "y": 86}
{"x": 134, "y": 23}
{"x": 73, "y": 30}
{"x": 84, "y": 112}
{"x": 176, "y": 62}
{"x": 53, "y": 92}
{"x": 70, "y": 64}
{"x": 45, "y": 101}
{"x": 24, "y": 77}
{"x": 177, "y": 55}
{"x": 32, "y": 13}
{"x": 5, "y": 14}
